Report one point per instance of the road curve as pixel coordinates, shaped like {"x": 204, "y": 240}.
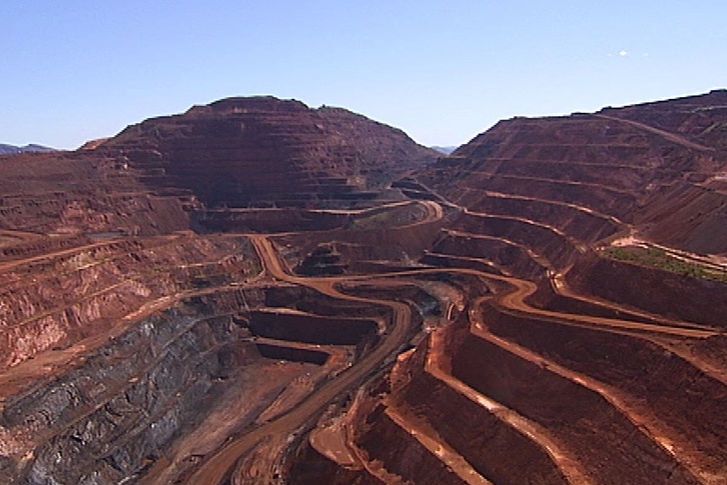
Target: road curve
{"x": 218, "y": 467}
{"x": 515, "y": 300}
{"x": 673, "y": 137}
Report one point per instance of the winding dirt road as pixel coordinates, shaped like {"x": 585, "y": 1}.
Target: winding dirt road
{"x": 218, "y": 468}
{"x": 680, "y": 140}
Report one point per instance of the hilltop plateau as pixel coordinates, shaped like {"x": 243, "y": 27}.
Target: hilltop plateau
{"x": 255, "y": 291}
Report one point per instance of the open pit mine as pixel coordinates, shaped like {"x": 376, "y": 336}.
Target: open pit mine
{"x": 257, "y": 292}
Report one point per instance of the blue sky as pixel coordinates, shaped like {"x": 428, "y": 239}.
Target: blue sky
{"x": 75, "y": 70}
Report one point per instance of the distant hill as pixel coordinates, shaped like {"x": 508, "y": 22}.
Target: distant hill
{"x": 446, "y": 150}
{"x": 9, "y": 149}
{"x": 234, "y": 151}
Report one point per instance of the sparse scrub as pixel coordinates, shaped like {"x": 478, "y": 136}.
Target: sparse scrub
{"x": 660, "y": 259}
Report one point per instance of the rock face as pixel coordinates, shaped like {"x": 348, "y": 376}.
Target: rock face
{"x": 259, "y": 292}
{"x": 80, "y": 193}
{"x": 242, "y": 152}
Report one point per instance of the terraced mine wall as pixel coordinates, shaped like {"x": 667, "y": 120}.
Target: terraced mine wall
{"x": 76, "y": 211}
{"x": 133, "y": 348}
{"x": 406, "y": 242}
{"x": 545, "y": 297}
{"x": 312, "y": 328}
{"x": 555, "y": 247}
{"x": 291, "y": 353}
{"x": 689, "y": 216}
{"x": 404, "y": 456}
{"x": 681, "y": 400}
{"x": 71, "y": 193}
{"x": 266, "y": 220}
{"x": 479, "y": 436}
{"x": 85, "y": 291}
{"x": 581, "y": 423}
{"x": 234, "y": 151}
{"x": 662, "y": 292}
{"x": 414, "y": 296}
{"x": 310, "y": 301}
{"x": 111, "y": 415}
{"x": 467, "y": 252}
{"x": 450, "y": 261}
{"x": 38, "y": 246}
{"x": 310, "y": 466}
{"x": 584, "y": 226}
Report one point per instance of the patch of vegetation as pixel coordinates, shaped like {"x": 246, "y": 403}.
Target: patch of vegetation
{"x": 660, "y": 259}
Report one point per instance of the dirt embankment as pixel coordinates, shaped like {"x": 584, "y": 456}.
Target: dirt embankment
{"x": 545, "y": 297}
{"x": 294, "y": 354}
{"x": 669, "y": 393}
{"x": 266, "y": 220}
{"x": 552, "y": 245}
{"x": 312, "y": 328}
{"x": 308, "y": 300}
{"x": 463, "y": 250}
{"x": 479, "y": 436}
{"x": 581, "y": 424}
{"x": 661, "y": 292}
{"x": 310, "y": 466}
{"x": 405, "y": 242}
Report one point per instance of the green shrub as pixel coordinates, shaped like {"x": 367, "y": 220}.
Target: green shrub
{"x": 660, "y": 259}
